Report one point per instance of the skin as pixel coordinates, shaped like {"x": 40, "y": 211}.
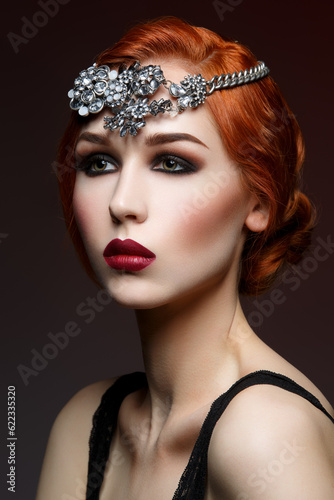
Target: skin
{"x": 196, "y": 341}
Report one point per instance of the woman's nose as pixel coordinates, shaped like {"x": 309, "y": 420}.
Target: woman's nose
{"x": 128, "y": 199}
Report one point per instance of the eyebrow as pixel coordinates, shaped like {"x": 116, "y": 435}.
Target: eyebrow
{"x": 94, "y": 138}
{"x": 152, "y": 140}
{"x": 157, "y": 139}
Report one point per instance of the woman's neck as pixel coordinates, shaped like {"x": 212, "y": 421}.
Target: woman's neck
{"x": 192, "y": 348}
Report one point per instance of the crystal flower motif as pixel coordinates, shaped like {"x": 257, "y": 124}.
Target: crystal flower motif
{"x": 139, "y": 109}
{"x": 124, "y": 123}
{"x": 129, "y": 118}
{"x": 116, "y": 93}
{"x": 87, "y": 95}
{"x": 191, "y": 92}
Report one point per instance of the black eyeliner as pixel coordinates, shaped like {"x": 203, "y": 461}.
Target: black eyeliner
{"x": 86, "y": 162}
{"x": 189, "y": 168}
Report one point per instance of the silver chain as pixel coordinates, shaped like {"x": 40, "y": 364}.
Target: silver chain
{"x": 232, "y": 80}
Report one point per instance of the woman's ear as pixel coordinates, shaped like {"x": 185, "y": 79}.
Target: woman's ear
{"x": 258, "y": 217}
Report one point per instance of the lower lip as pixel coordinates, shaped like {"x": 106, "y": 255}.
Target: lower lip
{"x": 128, "y": 262}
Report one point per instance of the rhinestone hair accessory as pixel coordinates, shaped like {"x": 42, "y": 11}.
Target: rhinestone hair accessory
{"x": 127, "y": 92}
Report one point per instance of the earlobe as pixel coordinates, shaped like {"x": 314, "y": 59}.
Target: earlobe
{"x": 258, "y": 217}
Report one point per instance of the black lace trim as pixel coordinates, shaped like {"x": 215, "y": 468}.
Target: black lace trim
{"x": 193, "y": 480}
{"x": 104, "y": 424}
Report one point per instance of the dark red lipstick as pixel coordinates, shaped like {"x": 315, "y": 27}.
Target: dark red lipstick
{"x": 127, "y": 255}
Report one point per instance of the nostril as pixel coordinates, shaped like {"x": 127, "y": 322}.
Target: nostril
{"x": 115, "y": 220}
{"x": 118, "y": 221}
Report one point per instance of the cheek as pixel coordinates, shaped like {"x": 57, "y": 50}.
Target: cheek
{"x": 87, "y": 208}
{"x": 216, "y": 218}
{"x": 208, "y": 241}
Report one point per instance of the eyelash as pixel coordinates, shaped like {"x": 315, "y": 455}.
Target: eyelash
{"x": 87, "y": 163}
{"x": 187, "y": 167}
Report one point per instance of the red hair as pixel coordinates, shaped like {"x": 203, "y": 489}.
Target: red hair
{"x": 259, "y": 131}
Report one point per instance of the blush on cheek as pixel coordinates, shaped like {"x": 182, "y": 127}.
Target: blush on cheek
{"x": 222, "y": 213}
{"x": 84, "y": 210}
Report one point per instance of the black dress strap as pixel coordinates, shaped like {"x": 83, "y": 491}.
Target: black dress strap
{"x": 104, "y": 424}
{"x": 193, "y": 480}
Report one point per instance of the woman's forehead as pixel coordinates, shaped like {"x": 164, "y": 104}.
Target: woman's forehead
{"x": 197, "y": 122}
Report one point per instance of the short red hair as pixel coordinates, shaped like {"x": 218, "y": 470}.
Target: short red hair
{"x": 259, "y": 131}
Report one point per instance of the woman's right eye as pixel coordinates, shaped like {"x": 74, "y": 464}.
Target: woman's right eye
{"x": 97, "y": 165}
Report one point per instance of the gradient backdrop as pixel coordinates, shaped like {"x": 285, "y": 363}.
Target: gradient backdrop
{"x": 42, "y": 281}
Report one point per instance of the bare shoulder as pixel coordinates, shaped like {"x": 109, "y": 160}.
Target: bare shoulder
{"x": 65, "y": 463}
{"x": 274, "y": 443}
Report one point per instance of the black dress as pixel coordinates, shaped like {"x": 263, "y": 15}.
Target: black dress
{"x": 193, "y": 480}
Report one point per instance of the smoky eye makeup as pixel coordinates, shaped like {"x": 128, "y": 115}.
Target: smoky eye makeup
{"x": 96, "y": 164}
{"x": 179, "y": 157}
{"x": 172, "y": 159}
{"x": 173, "y": 164}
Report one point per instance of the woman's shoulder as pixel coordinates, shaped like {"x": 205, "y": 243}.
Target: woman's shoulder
{"x": 79, "y": 410}
{"x": 85, "y": 401}
{"x": 274, "y": 441}
{"x": 65, "y": 463}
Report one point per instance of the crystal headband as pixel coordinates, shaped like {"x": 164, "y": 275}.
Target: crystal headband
{"x": 126, "y": 92}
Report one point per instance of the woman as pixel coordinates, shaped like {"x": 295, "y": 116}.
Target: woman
{"x": 179, "y": 194}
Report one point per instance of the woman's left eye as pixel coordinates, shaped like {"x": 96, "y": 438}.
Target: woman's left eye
{"x": 174, "y": 165}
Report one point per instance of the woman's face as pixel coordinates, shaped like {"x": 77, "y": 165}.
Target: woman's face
{"x": 172, "y": 189}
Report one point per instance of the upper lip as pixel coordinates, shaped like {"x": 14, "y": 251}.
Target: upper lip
{"x": 127, "y": 247}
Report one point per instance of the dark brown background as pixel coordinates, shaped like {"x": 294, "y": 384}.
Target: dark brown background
{"x": 42, "y": 282}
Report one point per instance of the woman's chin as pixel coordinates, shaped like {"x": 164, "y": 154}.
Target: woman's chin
{"x": 136, "y": 303}
{"x": 131, "y": 297}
